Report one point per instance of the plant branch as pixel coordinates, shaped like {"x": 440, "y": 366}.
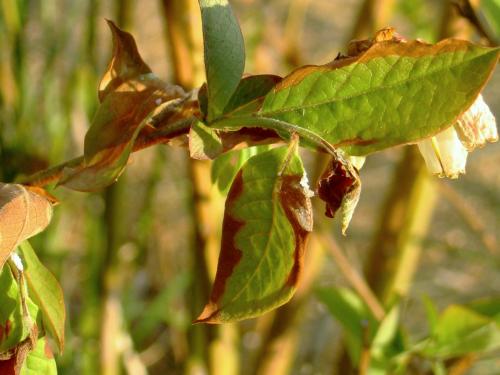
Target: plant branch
{"x": 145, "y": 140}
{"x": 172, "y": 122}
{"x": 233, "y": 123}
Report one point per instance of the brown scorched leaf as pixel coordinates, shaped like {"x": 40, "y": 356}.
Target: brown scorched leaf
{"x": 23, "y": 213}
{"x": 340, "y": 187}
{"x": 129, "y": 92}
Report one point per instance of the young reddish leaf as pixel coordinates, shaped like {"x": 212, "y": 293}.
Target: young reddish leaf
{"x": 129, "y": 93}
{"x": 204, "y": 143}
{"x": 46, "y": 292}
{"x": 23, "y": 213}
{"x": 391, "y": 92}
{"x": 340, "y": 187}
{"x": 267, "y": 219}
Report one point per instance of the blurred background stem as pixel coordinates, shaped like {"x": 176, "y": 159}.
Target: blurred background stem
{"x": 395, "y": 251}
{"x": 213, "y": 348}
{"x": 111, "y": 272}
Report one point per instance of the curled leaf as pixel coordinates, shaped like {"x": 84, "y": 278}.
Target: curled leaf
{"x": 340, "y": 187}
{"x": 267, "y": 219}
{"x": 126, "y": 62}
{"x": 129, "y": 92}
{"x": 23, "y": 214}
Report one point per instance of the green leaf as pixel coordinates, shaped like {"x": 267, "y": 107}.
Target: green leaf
{"x": 46, "y": 292}
{"x": 387, "y": 330}
{"x": 204, "y": 143}
{"x": 250, "y": 93}
{"x": 491, "y": 9}
{"x": 431, "y": 312}
{"x": 12, "y": 328}
{"x": 40, "y": 361}
{"x": 393, "y": 93}
{"x": 352, "y": 314}
{"x": 459, "y": 331}
{"x": 224, "y": 53}
{"x": 226, "y": 166}
{"x": 489, "y": 307}
{"x": 267, "y": 218}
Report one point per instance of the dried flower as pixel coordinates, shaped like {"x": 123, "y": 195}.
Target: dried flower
{"x": 445, "y": 154}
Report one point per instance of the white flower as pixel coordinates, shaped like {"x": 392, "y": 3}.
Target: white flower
{"x": 446, "y": 153}
{"x": 477, "y": 125}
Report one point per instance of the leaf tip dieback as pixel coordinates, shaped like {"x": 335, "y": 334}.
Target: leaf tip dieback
{"x": 125, "y": 63}
{"x": 209, "y": 314}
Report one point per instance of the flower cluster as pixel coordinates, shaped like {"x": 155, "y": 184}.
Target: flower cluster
{"x": 445, "y": 154}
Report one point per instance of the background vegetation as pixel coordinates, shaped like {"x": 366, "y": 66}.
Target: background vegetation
{"x": 136, "y": 261}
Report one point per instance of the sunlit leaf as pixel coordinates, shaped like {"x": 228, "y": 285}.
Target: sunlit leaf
{"x": 24, "y": 212}
{"x": 40, "y": 361}
{"x": 129, "y": 92}
{"x": 491, "y": 9}
{"x": 12, "y": 330}
{"x": 226, "y": 167}
{"x": 46, "y": 292}
{"x": 395, "y": 92}
{"x": 224, "y": 53}
{"x": 387, "y": 330}
{"x": 267, "y": 219}
{"x": 204, "y": 143}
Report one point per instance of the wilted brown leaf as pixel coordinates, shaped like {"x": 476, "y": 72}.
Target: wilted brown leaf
{"x": 24, "y": 212}
{"x": 128, "y": 92}
{"x": 340, "y": 187}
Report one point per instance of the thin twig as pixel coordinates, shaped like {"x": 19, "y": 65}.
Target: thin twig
{"x": 158, "y": 136}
